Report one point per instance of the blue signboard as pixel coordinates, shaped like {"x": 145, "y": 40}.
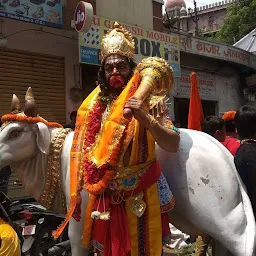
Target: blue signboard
{"x": 89, "y": 55}
{"x": 42, "y": 12}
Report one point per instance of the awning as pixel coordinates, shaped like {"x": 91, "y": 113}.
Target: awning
{"x": 248, "y": 42}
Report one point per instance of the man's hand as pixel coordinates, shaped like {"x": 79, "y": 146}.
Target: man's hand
{"x": 136, "y": 106}
{"x": 165, "y": 138}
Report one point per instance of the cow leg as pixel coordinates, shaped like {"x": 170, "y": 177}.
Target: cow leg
{"x": 187, "y": 227}
{"x": 220, "y": 250}
{"x": 183, "y": 224}
{"x": 75, "y": 231}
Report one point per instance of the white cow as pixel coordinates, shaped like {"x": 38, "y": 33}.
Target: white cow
{"x": 209, "y": 194}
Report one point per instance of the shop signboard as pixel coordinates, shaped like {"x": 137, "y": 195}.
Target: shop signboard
{"x": 147, "y": 43}
{"x": 41, "y": 12}
{"x": 206, "y": 85}
{"x": 215, "y": 50}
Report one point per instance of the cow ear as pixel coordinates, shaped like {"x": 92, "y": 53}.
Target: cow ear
{"x": 43, "y": 138}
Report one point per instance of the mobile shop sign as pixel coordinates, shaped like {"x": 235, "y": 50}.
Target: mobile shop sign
{"x": 147, "y": 43}
{"x": 206, "y": 85}
{"x": 41, "y": 12}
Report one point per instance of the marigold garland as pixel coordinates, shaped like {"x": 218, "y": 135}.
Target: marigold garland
{"x": 97, "y": 179}
{"x": 27, "y": 119}
{"x": 91, "y": 175}
{"x": 101, "y": 186}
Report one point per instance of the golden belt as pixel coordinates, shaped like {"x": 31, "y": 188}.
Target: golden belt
{"x": 127, "y": 178}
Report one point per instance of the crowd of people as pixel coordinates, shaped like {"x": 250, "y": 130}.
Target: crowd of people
{"x": 237, "y": 132}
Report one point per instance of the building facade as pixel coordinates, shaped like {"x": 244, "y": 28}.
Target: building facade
{"x": 49, "y": 56}
{"x": 33, "y": 52}
{"x": 219, "y": 87}
{"x": 38, "y": 37}
{"x": 210, "y": 17}
{"x": 220, "y": 68}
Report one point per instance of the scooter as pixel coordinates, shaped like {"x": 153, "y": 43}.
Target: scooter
{"x": 34, "y": 226}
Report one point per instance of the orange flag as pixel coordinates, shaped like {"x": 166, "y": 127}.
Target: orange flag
{"x": 196, "y": 114}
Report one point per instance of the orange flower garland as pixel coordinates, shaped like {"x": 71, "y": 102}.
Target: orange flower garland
{"x": 95, "y": 179}
{"x": 28, "y": 119}
{"x": 101, "y": 186}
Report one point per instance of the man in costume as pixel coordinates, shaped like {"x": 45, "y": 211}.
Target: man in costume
{"x": 113, "y": 153}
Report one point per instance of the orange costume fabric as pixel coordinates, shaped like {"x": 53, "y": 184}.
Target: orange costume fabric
{"x": 134, "y": 186}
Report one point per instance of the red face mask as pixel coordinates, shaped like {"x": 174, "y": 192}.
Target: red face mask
{"x": 116, "y": 81}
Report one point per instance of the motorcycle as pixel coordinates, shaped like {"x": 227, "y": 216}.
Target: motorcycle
{"x": 34, "y": 226}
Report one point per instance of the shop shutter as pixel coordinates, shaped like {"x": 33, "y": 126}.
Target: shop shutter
{"x": 46, "y": 75}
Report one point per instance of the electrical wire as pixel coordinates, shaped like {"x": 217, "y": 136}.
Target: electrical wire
{"x": 198, "y": 2}
{"x": 41, "y": 30}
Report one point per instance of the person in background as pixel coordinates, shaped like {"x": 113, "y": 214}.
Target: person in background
{"x": 177, "y": 124}
{"x": 231, "y": 142}
{"x": 72, "y": 124}
{"x": 245, "y": 158}
{"x": 214, "y": 126}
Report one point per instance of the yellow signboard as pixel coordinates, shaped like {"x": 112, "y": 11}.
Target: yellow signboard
{"x": 147, "y": 43}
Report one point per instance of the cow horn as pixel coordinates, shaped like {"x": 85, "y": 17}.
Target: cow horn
{"x": 30, "y": 104}
{"x": 15, "y": 105}
{"x": 29, "y": 94}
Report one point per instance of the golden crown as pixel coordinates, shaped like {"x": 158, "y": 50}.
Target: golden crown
{"x": 118, "y": 41}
